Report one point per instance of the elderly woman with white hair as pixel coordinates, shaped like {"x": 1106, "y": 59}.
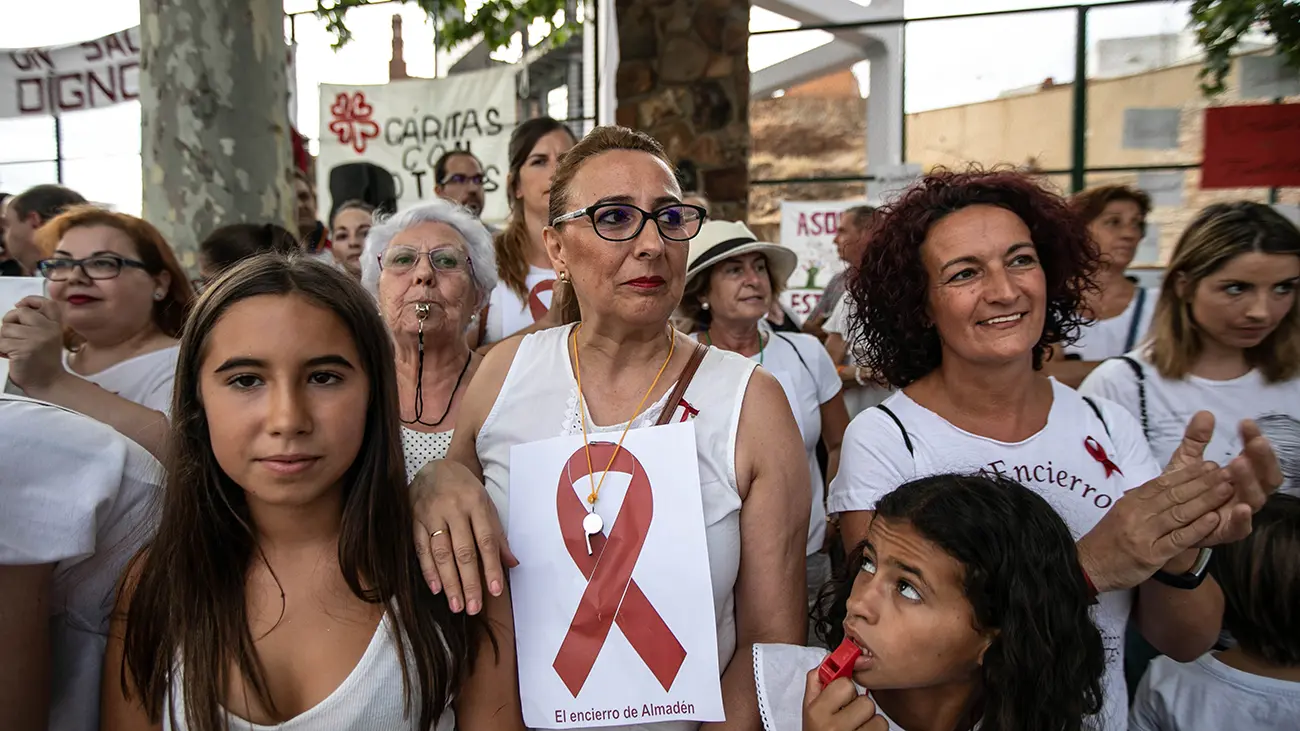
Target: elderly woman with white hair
{"x": 431, "y": 267}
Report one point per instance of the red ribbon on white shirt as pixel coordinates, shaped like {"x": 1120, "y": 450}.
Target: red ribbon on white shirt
{"x": 536, "y": 307}
{"x": 1098, "y": 453}
{"x": 612, "y": 596}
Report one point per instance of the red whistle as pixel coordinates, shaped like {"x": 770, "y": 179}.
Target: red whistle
{"x": 839, "y": 664}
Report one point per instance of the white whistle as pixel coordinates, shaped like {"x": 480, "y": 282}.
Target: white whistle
{"x": 591, "y": 525}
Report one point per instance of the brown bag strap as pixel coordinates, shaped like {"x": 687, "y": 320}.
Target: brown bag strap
{"x": 675, "y": 398}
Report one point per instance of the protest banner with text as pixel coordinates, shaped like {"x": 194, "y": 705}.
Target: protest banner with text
{"x": 59, "y": 79}
{"x": 405, "y": 126}
{"x": 808, "y": 228}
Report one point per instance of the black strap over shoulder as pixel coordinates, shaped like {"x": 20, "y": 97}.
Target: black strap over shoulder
{"x": 1142, "y": 392}
{"x": 795, "y": 348}
{"x": 1097, "y": 410}
{"x": 907, "y": 440}
{"x": 1133, "y": 324}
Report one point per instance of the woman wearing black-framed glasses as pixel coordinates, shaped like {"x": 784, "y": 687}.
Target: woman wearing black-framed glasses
{"x": 104, "y": 340}
{"x": 619, "y": 238}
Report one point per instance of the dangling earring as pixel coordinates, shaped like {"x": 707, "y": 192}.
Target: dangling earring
{"x": 564, "y": 277}
{"x": 704, "y": 305}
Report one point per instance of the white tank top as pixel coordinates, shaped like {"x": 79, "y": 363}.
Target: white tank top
{"x": 370, "y": 698}
{"x": 539, "y": 400}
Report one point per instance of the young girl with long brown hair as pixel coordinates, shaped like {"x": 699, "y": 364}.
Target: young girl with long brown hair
{"x": 282, "y": 588}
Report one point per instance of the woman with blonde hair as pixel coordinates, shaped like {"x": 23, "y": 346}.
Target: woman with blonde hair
{"x": 117, "y": 299}
{"x": 521, "y": 301}
{"x": 618, "y": 236}
{"x": 1225, "y": 338}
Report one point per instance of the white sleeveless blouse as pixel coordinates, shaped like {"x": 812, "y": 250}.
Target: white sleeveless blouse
{"x": 370, "y": 698}
{"x": 539, "y": 400}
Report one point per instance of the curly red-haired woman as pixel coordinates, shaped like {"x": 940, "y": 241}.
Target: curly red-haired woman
{"x": 970, "y": 280}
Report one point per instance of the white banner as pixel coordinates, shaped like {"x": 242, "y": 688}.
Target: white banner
{"x": 405, "y": 126}
{"x": 58, "y": 79}
{"x": 808, "y": 228}
{"x": 614, "y": 621}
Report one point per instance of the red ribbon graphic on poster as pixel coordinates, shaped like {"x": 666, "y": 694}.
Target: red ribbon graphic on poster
{"x": 536, "y": 306}
{"x": 1096, "y": 451}
{"x": 612, "y": 596}
{"x": 352, "y": 123}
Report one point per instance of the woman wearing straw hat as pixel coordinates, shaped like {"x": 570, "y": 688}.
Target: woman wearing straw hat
{"x": 731, "y": 281}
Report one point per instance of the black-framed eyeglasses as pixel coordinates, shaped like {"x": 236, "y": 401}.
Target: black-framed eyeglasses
{"x": 624, "y": 221}
{"x": 459, "y": 179}
{"x": 99, "y": 266}
{"x": 402, "y": 259}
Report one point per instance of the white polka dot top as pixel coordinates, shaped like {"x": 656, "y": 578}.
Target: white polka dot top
{"x": 419, "y": 448}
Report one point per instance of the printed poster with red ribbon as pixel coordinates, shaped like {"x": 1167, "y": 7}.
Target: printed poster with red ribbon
{"x": 623, "y": 634}
{"x": 405, "y": 126}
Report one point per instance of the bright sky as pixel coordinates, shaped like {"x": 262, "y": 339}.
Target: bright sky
{"x": 948, "y": 62}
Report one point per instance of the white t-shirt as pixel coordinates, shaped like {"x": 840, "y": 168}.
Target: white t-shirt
{"x": 1170, "y": 404}
{"x": 145, "y": 379}
{"x": 1207, "y": 695}
{"x": 856, "y": 398}
{"x": 1109, "y": 338}
{"x": 808, "y": 383}
{"x": 507, "y": 314}
{"x": 1056, "y": 463}
{"x": 76, "y": 494}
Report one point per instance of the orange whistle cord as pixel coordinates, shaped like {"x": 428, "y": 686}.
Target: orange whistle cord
{"x": 582, "y": 413}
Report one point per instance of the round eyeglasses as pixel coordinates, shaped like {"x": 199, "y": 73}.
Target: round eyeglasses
{"x": 99, "y": 266}
{"x": 402, "y": 259}
{"x": 624, "y": 221}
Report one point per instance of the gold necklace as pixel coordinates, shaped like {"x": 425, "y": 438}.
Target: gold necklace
{"x": 593, "y": 524}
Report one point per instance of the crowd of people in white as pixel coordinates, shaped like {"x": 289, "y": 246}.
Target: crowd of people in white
{"x": 1023, "y": 491}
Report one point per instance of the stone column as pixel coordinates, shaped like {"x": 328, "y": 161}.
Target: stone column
{"x": 214, "y": 104}
{"x": 684, "y": 78}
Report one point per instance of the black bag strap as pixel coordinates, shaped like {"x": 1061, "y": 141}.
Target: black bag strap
{"x": 907, "y": 440}
{"x": 1097, "y": 410}
{"x": 799, "y": 355}
{"x": 1137, "y": 320}
{"x": 1142, "y": 392}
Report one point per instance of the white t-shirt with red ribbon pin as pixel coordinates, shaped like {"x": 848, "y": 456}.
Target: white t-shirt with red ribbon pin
{"x": 1081, "y": 463}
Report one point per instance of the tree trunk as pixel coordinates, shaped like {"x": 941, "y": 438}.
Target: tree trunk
{"x": 214, "y": 104}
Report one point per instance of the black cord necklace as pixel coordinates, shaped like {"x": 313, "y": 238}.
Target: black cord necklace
{"x": 423, "y": 312}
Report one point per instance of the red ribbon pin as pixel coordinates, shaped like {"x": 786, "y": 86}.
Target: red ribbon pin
{"x": 612, "y": 596}
{"x": 1096, "y": 451}
{"x": 536, "y": 306}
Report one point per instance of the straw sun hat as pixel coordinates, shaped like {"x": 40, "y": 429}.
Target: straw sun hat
{"x": 722, "y": 240}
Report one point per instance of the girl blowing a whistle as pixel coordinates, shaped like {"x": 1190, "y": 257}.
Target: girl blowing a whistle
{"x": 965, "y": 608}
